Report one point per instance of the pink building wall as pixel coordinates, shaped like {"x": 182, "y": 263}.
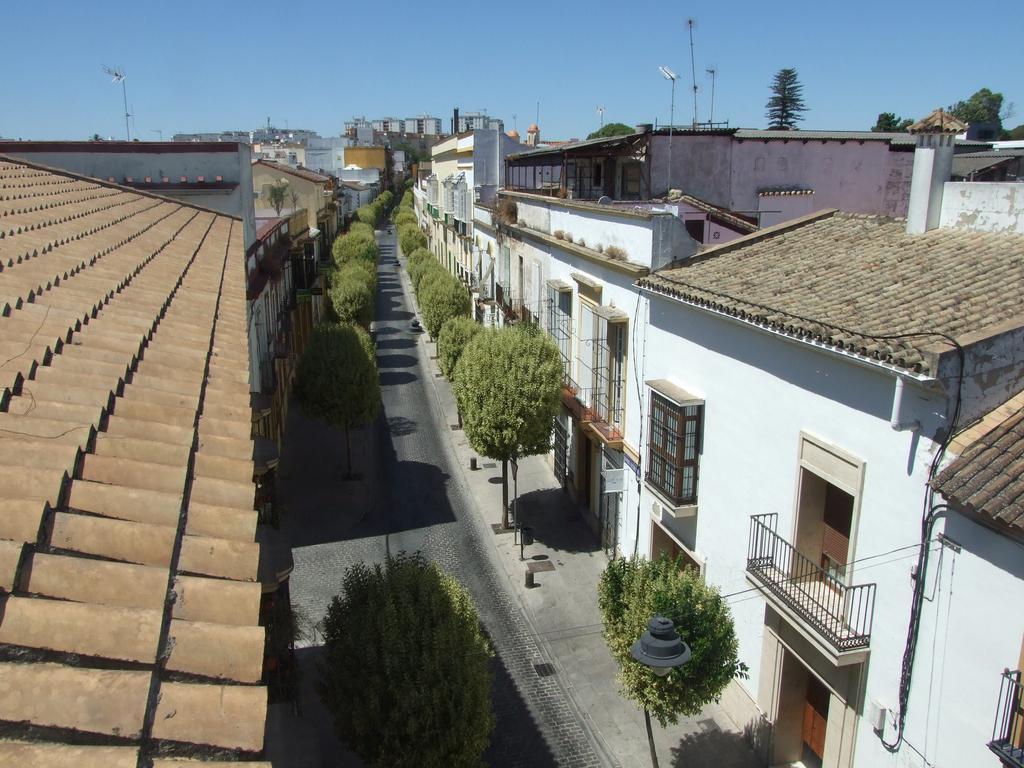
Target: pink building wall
{"x": 859, "y": 176}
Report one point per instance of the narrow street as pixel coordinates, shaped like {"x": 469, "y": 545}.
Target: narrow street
{"x": 409, "y": 499}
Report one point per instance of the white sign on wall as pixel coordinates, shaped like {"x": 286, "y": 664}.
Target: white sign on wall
{"x": 614, "y": 480}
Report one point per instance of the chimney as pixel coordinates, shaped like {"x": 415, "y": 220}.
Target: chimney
{"x": 933, "y": 163}
{"x": 455, "y": 121}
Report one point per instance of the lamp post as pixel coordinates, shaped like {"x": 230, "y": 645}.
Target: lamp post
{"x": 661, "y": 649}
{"x": 670, "y": 75}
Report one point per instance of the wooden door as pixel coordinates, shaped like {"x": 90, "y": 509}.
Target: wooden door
{"x": 815, "y": 716}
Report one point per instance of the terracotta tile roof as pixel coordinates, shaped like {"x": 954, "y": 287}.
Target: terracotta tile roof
{"x": 302, "y": 173}
{"x": 987, "y": 478}
{"x": 128, "y": 555}
{"x": 837, "y": 280}
{"x": 717, "y": 213}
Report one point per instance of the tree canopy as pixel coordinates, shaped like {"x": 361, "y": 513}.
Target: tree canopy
{"x": 630, "y": 593}
{"x": 786, "y": 104}
{"x": 452, "y": 340}
{"x": 442, "y": 300}
{"x": 611, "y": 129}
{"x": 354, "y": 247}
{"x": 336, "y": 379}
{"x": 888, "y": 122}
{"x": 507, "y": 384}
{"x": 410, "y": 238}
{"x": 406, "y": 671}
{"x": 983, "y": 106}
{"x": 351, "y": 296}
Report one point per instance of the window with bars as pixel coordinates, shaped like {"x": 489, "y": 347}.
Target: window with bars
{"x": 673, "y": 449}
{"x": 559, "y": 324}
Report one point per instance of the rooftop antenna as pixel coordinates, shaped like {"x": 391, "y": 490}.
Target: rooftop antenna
{"x": 693, "y": 70}
{"x": 515, "y": 122}
{"x": 712, "y": 72}
{"x": 118, "y": 76}
{"x": 537, "y": 119}
{"x": 668, "y": 74}
{"x": 600, "y": 111}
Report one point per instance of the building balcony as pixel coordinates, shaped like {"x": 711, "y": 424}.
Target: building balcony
{"x": 835, "y": 617}
{"x": 589, "y": 408}
{"x": 1008, "y": 730}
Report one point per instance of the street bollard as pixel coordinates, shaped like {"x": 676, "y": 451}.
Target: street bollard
{"x": 525, "y": 538}
{"x": 529, "y": 580}
{"x": 472, "y": 463}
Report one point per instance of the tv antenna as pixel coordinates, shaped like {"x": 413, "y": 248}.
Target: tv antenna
{"x": 693, "y": 70}
{"x": 600, "y": 111}
{"x": 118, "y": 76}
{"x": 712, "y": 72}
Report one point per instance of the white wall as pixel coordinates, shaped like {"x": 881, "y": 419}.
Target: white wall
{"x": 983, "y": 206}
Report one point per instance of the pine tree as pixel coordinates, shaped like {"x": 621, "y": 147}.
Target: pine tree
{"x": 786, "y": 103}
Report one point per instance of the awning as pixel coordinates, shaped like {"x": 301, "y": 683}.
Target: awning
{"x": 675, "y": 393}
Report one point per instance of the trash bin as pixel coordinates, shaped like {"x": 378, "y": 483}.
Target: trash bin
{"x": 526, "y": 535}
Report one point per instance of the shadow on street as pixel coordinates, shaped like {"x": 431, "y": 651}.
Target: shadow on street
{"x": 569, "y": 534}
{"x": 714, "y": 748}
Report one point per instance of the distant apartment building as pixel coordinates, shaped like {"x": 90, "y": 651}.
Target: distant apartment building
{"x": 388, "y": 124}
{"x": 307, "y": 190}
{"x": 477, "y": 121}
{"x": 423, "y": 124}
{"x": 215, "y": 175}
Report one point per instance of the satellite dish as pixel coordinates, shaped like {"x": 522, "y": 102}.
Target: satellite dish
{"x": 604, "y": 200}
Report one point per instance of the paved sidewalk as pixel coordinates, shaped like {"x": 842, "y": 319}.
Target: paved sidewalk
{"x": 562, "y": 607}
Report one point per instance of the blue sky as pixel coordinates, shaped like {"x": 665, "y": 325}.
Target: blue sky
{"x": 218, "y": 65}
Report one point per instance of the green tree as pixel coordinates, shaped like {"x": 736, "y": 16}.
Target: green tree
{"x": 359, "y": 228}
{"x": 1016, "y": 134}
{"x": 354, "y": 247}
{"x": 442, "y": 300}
{"x": 629, "y": 594}
{"x": 453, "y": 338}
{"x": 405, "y": 217}
{"x": 351, "y": 296}
{"x": 888, "y": 122}
{"x": 983, "y": 106}
{"x": 277, "y": 193}
{"x": 367, "y": 214}
{"x": 336, "y": 379}
{"x": 507, "y": 384}
{"x": 786, "y": 104}
{"x": 612, "y": 129}
{"x": 406, "y": 670}
{"x": 410, "y": 238}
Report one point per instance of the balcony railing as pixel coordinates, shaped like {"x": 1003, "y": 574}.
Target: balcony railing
{"x": 1008, "y": 730}
{"x": 840, "y": 614}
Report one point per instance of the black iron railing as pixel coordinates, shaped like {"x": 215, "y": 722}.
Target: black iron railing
{"x": 1008, "y": 730}
{"x": 841, "y": 614}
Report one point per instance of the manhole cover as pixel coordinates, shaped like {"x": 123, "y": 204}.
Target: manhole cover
{"x": 544, "y": 670}
{"x": 543, "y": 565}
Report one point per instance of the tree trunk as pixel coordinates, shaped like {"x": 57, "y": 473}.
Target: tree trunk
{"x": 504, "y": 493}
{"x": 348, "y": 453}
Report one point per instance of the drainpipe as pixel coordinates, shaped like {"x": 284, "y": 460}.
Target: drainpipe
{"x": 897, "y": 420}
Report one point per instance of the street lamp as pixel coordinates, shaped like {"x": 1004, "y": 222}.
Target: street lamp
{"x": 661, "y": 649}
{"x": 670, "y": 75}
